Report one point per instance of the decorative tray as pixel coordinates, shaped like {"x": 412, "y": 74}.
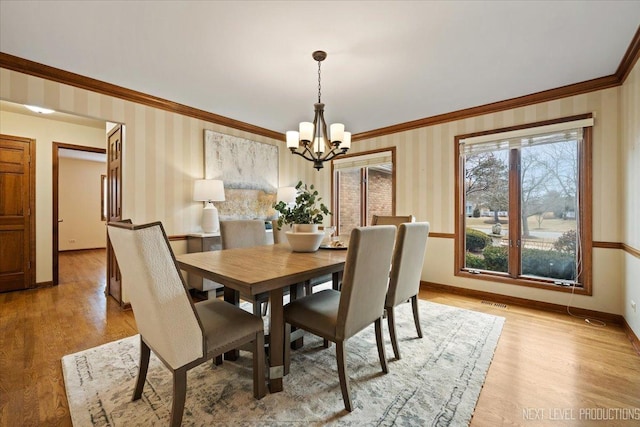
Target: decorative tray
{"x": 333, "y": 247}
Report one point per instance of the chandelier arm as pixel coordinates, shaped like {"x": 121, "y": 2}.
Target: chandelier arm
{"x": 303, "y": 154}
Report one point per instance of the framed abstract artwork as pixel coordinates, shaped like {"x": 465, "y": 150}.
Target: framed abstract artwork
{"x": 249, "y": 170}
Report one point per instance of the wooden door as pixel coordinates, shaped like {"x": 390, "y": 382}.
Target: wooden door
{"x": 114, "y": 207}
{"x": 17, "y": 213}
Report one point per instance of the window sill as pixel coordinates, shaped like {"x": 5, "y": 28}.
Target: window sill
{"x": 529, "y": 282}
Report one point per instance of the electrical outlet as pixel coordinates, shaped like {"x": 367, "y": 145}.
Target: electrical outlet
{"x": 633, "y": 306}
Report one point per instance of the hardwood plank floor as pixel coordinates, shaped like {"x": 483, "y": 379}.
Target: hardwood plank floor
{"x": 547, "y": 367}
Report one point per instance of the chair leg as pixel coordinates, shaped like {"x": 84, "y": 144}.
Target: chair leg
{"x": 416, "y": 315}
{"x": 217, "y": 361}
{"x": 145, "y": 352}
{"x": 341, "y": 357}
{"x": 287, "y": 348}
{"x": 259, "y": 386}
{"x": 391, "y": 320}
{"x": 179, "y": 395}
{"x": 380, "y": 342}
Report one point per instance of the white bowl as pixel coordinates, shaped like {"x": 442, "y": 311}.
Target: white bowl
{"x": 304, "y": 242}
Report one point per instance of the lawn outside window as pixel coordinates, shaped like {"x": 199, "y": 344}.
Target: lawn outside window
{"x": 524, "y": 205}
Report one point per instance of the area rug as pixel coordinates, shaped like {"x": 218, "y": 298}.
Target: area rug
{"x": 436, "y": 382}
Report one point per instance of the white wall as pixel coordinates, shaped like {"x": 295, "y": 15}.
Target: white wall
{"x": 79, "y": 204}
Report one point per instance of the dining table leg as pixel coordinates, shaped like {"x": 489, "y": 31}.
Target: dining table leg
{"x": 276, "y": 341}
{"x": 232, "y": 297}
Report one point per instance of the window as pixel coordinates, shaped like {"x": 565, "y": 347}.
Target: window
{"x": 525, "y": 205}
{"x": 364, "y": 185}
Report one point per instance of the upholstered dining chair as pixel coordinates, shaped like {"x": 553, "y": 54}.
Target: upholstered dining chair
{"x": 182, "y": 334}
{"x": 338, "y": 315}
{"x": 406, "y": 269}
{"x": 245, "y": 233}
{"x": 279, "y": 235}
{"x": 391, "y": 220}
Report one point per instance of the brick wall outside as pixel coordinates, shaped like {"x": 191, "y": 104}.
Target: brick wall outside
{"x": 379, "y": 203}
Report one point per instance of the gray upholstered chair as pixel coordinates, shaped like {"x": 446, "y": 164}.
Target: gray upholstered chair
{"x": 406, "y": 269}
{"x": 338, "y": 315}
{"x": 279, "y": 236}
{"x": 391, "y": 220}
{"x": 245, "y": 233}
{"x": 182, "y": 334}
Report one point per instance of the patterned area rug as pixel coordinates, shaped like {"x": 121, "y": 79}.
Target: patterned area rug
{"x": 436, "y": 383}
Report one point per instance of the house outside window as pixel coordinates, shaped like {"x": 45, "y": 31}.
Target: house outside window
{"x": 363, "y": 186}
{"x": 524, "y": 205}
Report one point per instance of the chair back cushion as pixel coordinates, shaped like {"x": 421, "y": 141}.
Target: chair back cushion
{"x": 242, "y": 233}
{"x": 391, "y": 220}
{"x": 406, "y": 265}
{"x": 365, "y": 278}
{"x": 165, "y": 315}
{"x": 280, "y": 236}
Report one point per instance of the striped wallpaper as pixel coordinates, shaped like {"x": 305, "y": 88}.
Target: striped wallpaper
{"x": 164, "y": 154}
{"x": 630, "y": 190}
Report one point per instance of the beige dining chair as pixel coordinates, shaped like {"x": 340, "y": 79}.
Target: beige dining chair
{"x": 406, "y": 269}
{"x": 338, "y": 315}
{"x": 391, "y": 220}
{"x": 182, "y": 334}
{"x": 245, "y": 233}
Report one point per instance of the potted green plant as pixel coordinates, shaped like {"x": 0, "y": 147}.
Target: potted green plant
{"x": 302, "y": 217}
{"x": 307, "y": 209}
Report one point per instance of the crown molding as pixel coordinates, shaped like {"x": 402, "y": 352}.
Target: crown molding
{"x": 630, "y": 58}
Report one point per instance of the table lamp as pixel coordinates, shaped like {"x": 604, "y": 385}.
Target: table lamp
{"x": 286, "y": 194}
{"x": 209, "y": 191}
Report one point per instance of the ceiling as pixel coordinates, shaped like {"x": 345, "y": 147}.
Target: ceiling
{"x": 389, "y": 62}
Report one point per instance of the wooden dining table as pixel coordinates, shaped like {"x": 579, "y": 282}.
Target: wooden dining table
{"x": 260, "y": 270}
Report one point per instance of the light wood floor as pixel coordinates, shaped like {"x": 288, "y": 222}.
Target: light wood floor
{"x": 547, "y": 367}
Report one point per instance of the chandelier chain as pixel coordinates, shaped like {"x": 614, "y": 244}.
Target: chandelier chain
{"x": 319, "y": 87}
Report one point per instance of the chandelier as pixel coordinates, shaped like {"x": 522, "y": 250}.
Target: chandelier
{"x": 312, "y": 140}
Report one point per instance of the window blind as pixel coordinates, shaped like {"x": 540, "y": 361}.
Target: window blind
{"x": 365, "y": 160}
{"x": 566, "y": 131}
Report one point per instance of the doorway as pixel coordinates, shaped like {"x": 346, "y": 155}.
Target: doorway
{"x": 82, "y": 224}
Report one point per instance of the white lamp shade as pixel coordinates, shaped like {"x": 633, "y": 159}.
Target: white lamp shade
{"x": 293, "y": 139}
{"x": 306, "y": 131}
{"x": 318, "y": 145}
{"x": 346, "y": 141}
{"x": 208, "y": 190}
{"x": 337, "y": 132}
{"x": 286, "y": 194}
